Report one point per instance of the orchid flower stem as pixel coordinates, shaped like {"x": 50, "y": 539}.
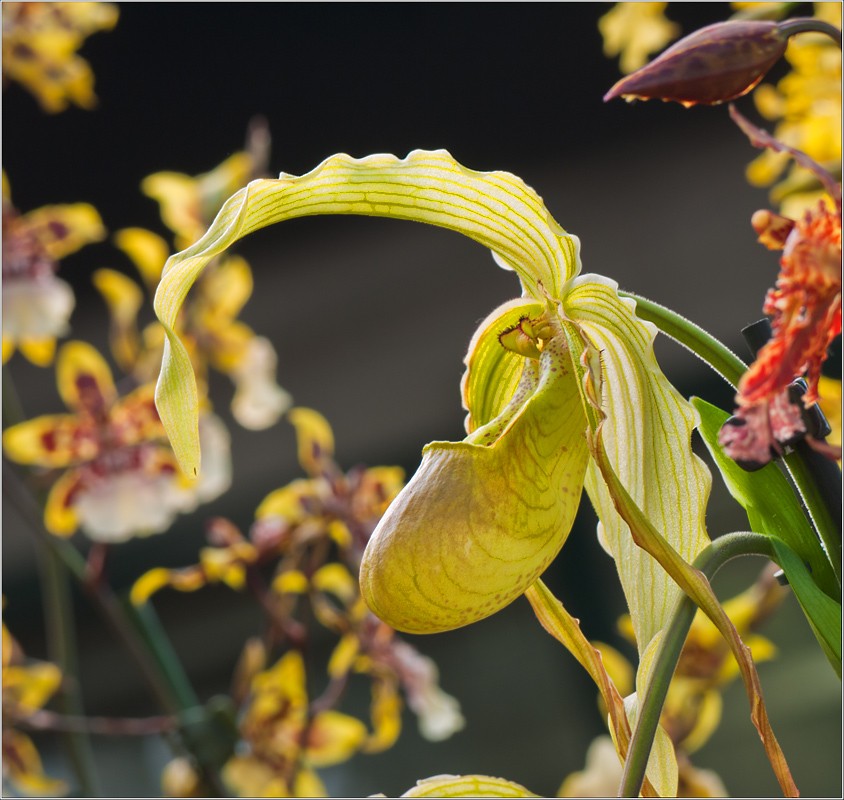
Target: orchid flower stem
{"x": 709, "y": 561}
{"x": 808, "y": 25}
{"x": 157, "y": 668}
{"x": 705, "y": 346}
{"x": 60, "y": 624}
{"x": 823, "y": 506}
{"x": 61, "y": 646}
{"x": 818, "y": 481}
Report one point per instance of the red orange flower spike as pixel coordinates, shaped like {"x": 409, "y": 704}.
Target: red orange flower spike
{"x": 806, "y": 309}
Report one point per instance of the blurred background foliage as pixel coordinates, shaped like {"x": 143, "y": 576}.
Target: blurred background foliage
{"x": 371, "y": 318}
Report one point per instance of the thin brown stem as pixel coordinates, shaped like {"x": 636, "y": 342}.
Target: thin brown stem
{"x": 43, "y": 720}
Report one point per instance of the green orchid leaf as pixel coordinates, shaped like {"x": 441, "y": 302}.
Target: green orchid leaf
{"x": 482, "y": 518}
{"x": 771, "y": 505}
{"x": 647, "y": 434}
{"x": 496, "y": 209}
{"x": 492, "y": 371}
{"x": 823, "y": 613}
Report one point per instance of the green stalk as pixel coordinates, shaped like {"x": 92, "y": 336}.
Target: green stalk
{"x": 709, "y": 561}
{"x": 61, "y": 628}
{"x": 166, "y": 683}
{"x": 61, "y": 647}
{"x": 730, "y": 367}
{"x": 809, "y": 25}
{"x": 705, "y": 346}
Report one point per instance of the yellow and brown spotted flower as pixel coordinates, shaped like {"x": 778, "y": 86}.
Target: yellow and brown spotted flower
{"x": 27, "y": 687}
{"x": 805, "y": 307}
{"x": 37, "y": 304}
{"x": 40, "y": 41}
{"x": 284, "y": 741}
{"x": 121, "y": 477}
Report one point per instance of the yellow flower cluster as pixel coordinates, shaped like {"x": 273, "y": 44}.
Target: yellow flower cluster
{"x": 213, "y": 334}
{"x": 285, "y": 735}
{"x": 806, "y": 104}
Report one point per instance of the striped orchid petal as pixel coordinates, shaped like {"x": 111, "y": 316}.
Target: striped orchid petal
{"x": 496, "y": 209}
{"x": 647, "y": 434}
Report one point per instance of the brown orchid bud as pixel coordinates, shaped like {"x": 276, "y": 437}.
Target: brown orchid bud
{"x": 717, "y": 63}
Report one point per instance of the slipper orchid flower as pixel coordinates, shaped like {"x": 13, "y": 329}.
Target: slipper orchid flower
{"x": 482, "y": 518}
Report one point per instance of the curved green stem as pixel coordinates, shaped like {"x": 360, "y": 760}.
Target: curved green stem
{"x": 730, "y": 367}
{"x": 709, "y": 561}
{"x": 705, "y": 346}
{"x": 809, "y": 25}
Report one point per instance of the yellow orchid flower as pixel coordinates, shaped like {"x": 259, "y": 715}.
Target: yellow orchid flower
{"x": 482, "y": 518}
{"x": 285, "y": 743}
{"x": 807, "y": 105}
{"x": 121, "y": 479}
{"x": 188, "y": 204}
{"x": 40, "y": 41}
{"x": 36, "y": 304}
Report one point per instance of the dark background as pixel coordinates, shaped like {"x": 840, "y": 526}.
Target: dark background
{"x": 371, "y": 319}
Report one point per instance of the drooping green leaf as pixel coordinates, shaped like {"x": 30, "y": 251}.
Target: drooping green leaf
{"x": 694, "y": 583}
{"x": 771, "y": 504}
{"x": 823, "y": 613}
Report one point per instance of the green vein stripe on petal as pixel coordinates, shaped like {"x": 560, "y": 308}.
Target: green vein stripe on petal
{"x": 647, "y": 435}
{"x": 496, "y": 209}
{"x": 482, "y": 519}
{"x": 467, "y": 786}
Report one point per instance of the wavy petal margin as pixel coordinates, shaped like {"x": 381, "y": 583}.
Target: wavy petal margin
{"x": 496, "y": 209}
{"x": 647, "y": 434}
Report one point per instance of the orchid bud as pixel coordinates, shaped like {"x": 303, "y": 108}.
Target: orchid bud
{"x": 771, "y": 228}
{"x": 717, "y": 63}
